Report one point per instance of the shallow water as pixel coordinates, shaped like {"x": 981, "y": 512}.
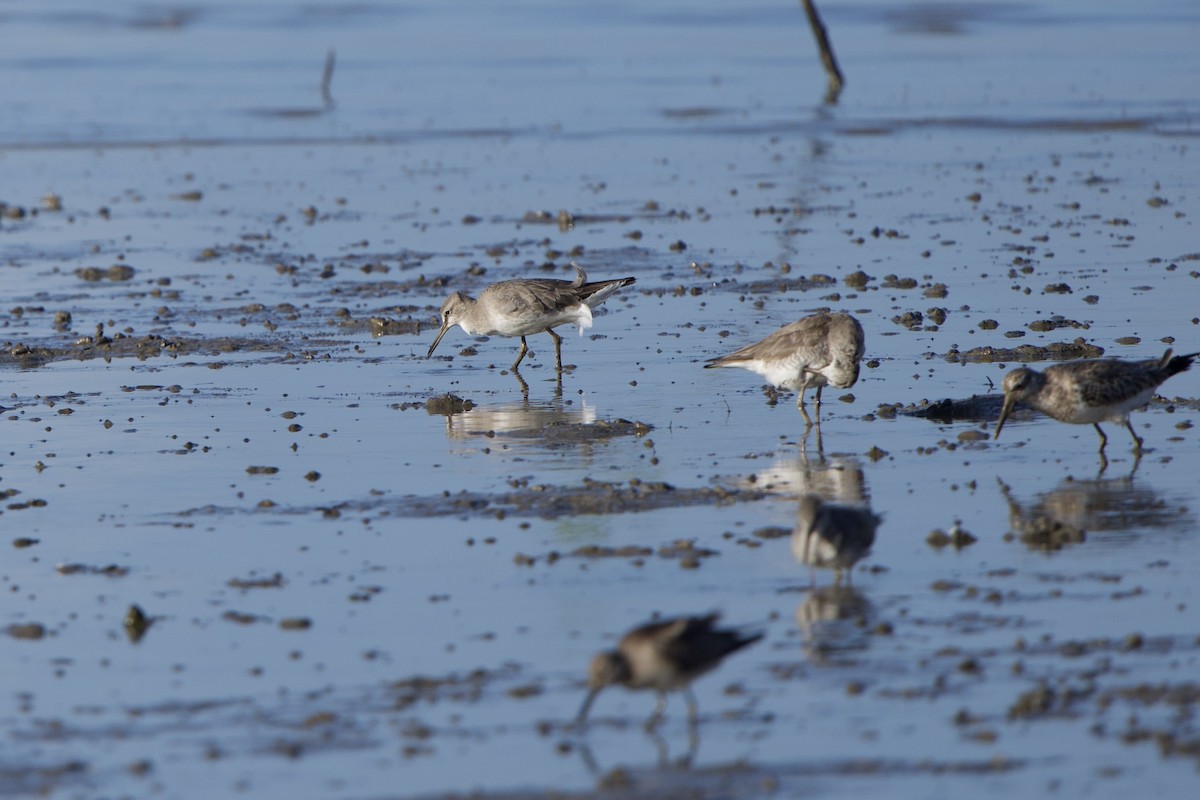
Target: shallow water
{"x": 1010, "y": 163}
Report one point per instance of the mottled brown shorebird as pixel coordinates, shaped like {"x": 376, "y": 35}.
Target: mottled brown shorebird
{"x": 832, "y": 536}
{"x": 526, "y": 306}
{"x": 824, "y": 349}
{"x": 1093, "y": 391}
{"x": 665, "y": 656}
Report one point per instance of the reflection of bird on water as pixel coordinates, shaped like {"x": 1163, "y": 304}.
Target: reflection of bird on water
{"x": 1092, "y": 391}
{"x": 838, "y": 477}
{"x": 832, "y": 536}
{"x": 821, "y": 350}
{"x": 519, "y": 420}
{"x": 663, "y": 761}
{"x": 664, "y": 656}
{"x": 834, "y": 620}
{"x": 1068, "y": 512}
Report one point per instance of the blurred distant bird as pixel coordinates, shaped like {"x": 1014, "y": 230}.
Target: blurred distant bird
{"x": 526, "y": 306}
{"x": 832, "y": 536}
{"x": 824, "y": 349}
{"x": 664, "y": 656}
{"x": 1093, "y": 391}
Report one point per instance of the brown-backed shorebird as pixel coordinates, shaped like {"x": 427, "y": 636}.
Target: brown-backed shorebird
{"x": 824, "y": 349}
{"x": 1093, "y": 391}
{"x": 832, "y": 536}
{"x": 665, "y": 656}
{"x": 526, "y": 306}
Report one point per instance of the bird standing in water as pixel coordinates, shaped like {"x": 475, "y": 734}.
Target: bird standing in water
{"x": 525, "y": 306}
{"x": 824, "y": 349}
{"x": 1092, "y": 391}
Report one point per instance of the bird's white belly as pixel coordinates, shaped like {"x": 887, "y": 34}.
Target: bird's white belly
{"x": 525, "y": 324}
{"x": 785, "y": 373}
{"x": 814, "y": 550}
{"x": 1117, "y": 412}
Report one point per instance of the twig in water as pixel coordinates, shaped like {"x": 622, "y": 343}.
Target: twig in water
{"x": 836, "y": 81}
{"x": 327, "y": 78}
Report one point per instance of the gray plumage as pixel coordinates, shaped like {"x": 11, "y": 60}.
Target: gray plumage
{"x": 1092, "y": 391}
{"x": 525, "y": 306}
{"x": 664, "y": 656}
{"x": 832, "y": 536}
{"x": 824, "y": 349}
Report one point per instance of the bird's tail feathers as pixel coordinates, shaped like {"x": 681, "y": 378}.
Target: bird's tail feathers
{"x": 1177, "y": 364}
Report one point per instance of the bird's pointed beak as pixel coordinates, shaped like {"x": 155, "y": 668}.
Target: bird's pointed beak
{"x": 581, "y": 717}
{"x": 433, "y": 346}
{"x": 1009, "y": 402}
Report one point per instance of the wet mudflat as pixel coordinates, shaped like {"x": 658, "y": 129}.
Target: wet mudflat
{"x": 257, "y": 543}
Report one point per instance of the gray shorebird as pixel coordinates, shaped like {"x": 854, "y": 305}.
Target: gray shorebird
{"x": 665, "y": 656}
{"x": 1093, "y": 391}
{"x": 824, "y": 349}
{"x": 526, "y": 306}
{"x": 832, "y": 536}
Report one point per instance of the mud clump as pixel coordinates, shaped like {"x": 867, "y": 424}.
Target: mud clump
{"x": 977, "y": 408}
{"x": 1035, "y": 703}
{"x": 383, "y": 326}
{"x": 136, "y": 623}
{"x": 1027, "y": 353}
{"x": 1044, "y": 325}
{"x": 1044, "y": 533}
{"x": 447, "y": 405}
{"x": 115, "y": 273}
{"x": 857, "y": 280}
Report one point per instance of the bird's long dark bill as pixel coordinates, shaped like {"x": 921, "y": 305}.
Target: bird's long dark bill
{"x": 433, "y": 346}
{"x": 581, "y": 717}
{"x": 1009, "y": 402}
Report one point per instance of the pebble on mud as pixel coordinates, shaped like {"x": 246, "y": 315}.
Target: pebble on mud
{"x": 136, "y": 623}
{"x": 117, "y": 272}
{"x": 295, "y": 624}
{"x": 31, "y": 631}
{"x": 957, "y": 537}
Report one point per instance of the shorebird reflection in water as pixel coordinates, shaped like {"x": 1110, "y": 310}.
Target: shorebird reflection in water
{"x": 525, "y": 306}
{"x": 832, "y": 536}
{"x": 1093, "y": 391}
{"x": 824, "y": 349}
{"x": 665, "y": 656}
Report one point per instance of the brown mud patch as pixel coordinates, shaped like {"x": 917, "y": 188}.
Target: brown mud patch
{"x": 28, "y": 355}
{"x": 543, "y": 501}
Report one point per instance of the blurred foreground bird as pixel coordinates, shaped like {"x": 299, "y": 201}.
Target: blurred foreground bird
{"x": 832, "y": 536}
{"x": 664, "y": 656}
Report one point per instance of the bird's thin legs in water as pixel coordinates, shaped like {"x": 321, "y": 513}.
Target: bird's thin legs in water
{"x": 1137, "y": 440}
{"x": 521, "y": 355}
{"x": 660, "y": 708}
{"x": 557, "y": 349}
{"x": 1103, "y": 442}
{"x": 804, "y": 440}
{"x": 693, "y": 710}
{"x": 524, "y": 386}
{"x": 693, "y": 725}
{"x": 803, "y": 410}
